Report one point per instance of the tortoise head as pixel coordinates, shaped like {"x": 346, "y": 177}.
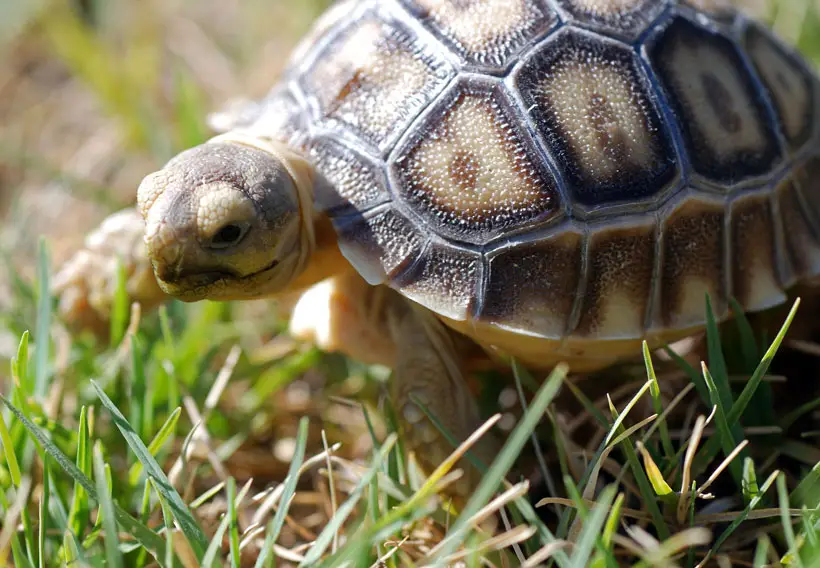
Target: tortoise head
{"x": 228, "y": 220}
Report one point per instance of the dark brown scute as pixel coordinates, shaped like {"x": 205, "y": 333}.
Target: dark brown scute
{"x": 807, "y": 178}
{"x": 693, "y": 251}
{"x": 724, "y": 120}
{"x": 444, "y": 279}
{"x": 533, "y": 287}
{"x": 619, "y": 283}
{"x": 802, "y": 248}
{"x": 754, "y": 262}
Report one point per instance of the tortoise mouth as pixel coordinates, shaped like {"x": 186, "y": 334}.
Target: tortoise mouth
{"x": 194, "y": 285}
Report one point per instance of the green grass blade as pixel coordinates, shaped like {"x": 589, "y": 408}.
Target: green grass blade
{"x": 327, "y": 535}
{"x": 748, "y": 343}
{"x": 724, "y": 432}
{"x": 42, "y": 346}
{"x": 287, "y": 493}
{"x": 186, "y": 521}
{"x": 143, "y": 534}
{"x": 621, "y": 416}
{"x": 111, "y": 541}
{"x": 808, "y": 485}
{"x": 711, "y": 448}
{"x": 657, "y": 404}
{"x": 138, "y": 388}
{"x": 43, "y": 525}
{"x": 8, "y": 453}
{"x": 641, "y": 479}
{"x": 750, "y": 488}
{"x": 761, "y": 552}
{"x": 593, "y": 528}
{"x": 216, "y": 542}
{"x": 748, "y": 392}
{"x": 741, "y": 518}
{"x": 786, "y": 520}
{"x": 78, "y": 516}
{"x": 717, "y": 361}
{"x": 165, "y": 432}
{"x": 233, "y": 524}
{"x": 19, "y": 365}
{"x": 325, "y": 538}
{"x": 119, "y": 306}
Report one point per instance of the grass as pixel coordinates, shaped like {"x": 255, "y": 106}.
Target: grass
{"x": 201, "y": 436}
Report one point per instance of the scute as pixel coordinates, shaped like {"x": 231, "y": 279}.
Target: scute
{"x": 381, "y": 244}
{"x": 374, "y": 77}
{"x": 755, "y": 279}
{"x": 726, "y": 127}
{"x": 523, "y": 277}
{"x": 620, "y": 270}
{"x": 789, "y": 84}
{"x": 591, "y": 102}
{"x": 802, "y": 247}
{"x": 807, "y": 180}
{"x": 350, "y": 183}
{"x": 485, "y": 33}
{"x": 693, "y": 264}
{"x": 444, "y": 280}
{"x": 626, "y": 18}
{"x": 469, "y": 172}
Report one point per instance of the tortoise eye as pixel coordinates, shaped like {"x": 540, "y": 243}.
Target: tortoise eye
{"x": 228, "y": 236}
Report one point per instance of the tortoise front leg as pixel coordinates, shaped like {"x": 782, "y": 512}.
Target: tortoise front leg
{"x": 429, "y": 371}
{"x": 377, "y": 325}
{"x": 86, "y": 284}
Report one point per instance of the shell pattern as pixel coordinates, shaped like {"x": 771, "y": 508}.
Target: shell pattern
{"x": 560, "y": 168}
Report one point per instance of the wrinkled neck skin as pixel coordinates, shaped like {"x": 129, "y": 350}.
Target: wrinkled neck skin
{"x": 318, "y": 254}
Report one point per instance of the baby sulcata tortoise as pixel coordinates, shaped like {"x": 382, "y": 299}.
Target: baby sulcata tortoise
{"x": 556, "y": 180}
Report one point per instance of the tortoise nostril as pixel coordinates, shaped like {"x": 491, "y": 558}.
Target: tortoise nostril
{"x": 228, "y": 236}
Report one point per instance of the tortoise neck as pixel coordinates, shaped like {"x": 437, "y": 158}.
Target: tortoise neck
{"x": 326, "y": 260}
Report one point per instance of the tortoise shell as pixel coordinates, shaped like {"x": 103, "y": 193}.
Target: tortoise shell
{"x": 559, "y": 168}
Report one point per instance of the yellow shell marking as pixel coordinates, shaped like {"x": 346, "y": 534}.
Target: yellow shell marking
{"x": 473, "y": 168}
{"x": 603, "y": 116}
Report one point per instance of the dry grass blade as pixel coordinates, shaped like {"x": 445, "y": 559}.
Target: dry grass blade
{"x": 11, "y": 517}
{"x": 498, "y": 542}
{"x": 719, "y": 469}
{"x": 494, "y": 506}
{"x": 661, "y": 554}
{"x": 691, "y": 451}
{"x": 545, "y": 553}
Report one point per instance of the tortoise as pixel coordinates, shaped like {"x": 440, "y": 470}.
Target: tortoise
{"x": 552, "y": 180}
